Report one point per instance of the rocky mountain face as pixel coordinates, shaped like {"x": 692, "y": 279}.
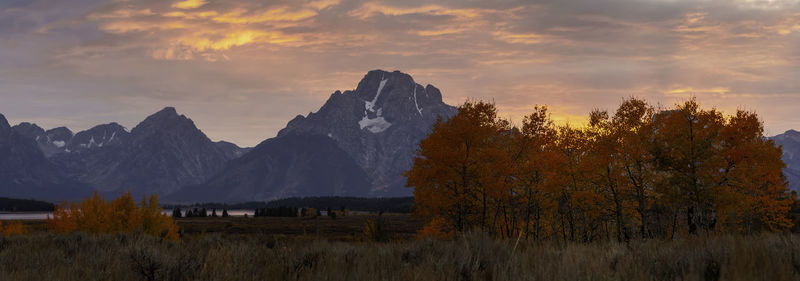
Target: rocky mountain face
{"x": 293, "y": 165}
{"x": 51, "y": 142}
{"x": 360, "y": 142}
{"x": 790, "y": 143}
{"x": 379, "y": 125}
{"x": 231, "y": 150}
{"x": 111, "y": 134}
{"x": 25, "y": 172}
{"x": 61, "y": 139}
{"x": 161, "y": 154}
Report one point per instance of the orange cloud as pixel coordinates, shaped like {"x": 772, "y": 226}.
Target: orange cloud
{"x": 237, "y": 38}
{"x": 789, "y": 25}
{"x": 121, "y": 14}
{"x": 189, "y": 4}
{"x": 194, "y": 15}
{"x": 443, "y": 31}
{"x": 528, "y": 38}
{"x": 322, "y": 4}
{"x": 238, "y": 16}
{"x": 689, "y": 91}
{"x": 369, "y": 9}
{"x": 134, "y": 26}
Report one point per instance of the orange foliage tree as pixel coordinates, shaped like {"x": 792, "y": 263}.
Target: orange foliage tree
{"x": 95, "y": 215}
{"x": 13, "y": 228}
{"x": 630, "y": 174}
{"x": 453, "y": 175}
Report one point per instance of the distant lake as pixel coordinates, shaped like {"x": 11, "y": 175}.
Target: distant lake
{"x": 24, "y": 216}
{"x": 43, "y": 215}
{"x": 232, "y": 213}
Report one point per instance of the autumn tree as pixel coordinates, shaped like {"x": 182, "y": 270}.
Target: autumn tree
{"x": 624, "y": 175}
{"x": 12, "y": 228}
{"x": 633, "y": 124}
{"x": 753, "y": 193}
{"x": 620, "y": 150}
{"x": 95, "y": 215}
{"x": 685, "y": 147}
{"x": 535, "y": 161}
{"x": 450, "y": 172}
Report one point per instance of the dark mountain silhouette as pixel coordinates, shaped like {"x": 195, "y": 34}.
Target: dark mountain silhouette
{"x": 292, "y": 165}
{"x": 790, "y": 143}
{"x": 105, "y": 135}
{"x": 359, "y": 143}
{"x": 25, "y": 172}
{"x": 161, "y": 154}
{"x": 51, "y": 142}
{"x": 379, "y": 124}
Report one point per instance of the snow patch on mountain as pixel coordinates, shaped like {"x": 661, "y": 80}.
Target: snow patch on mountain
{"x": 374, "y": 125}
{"x": 370, "y": 105}
{"x": 415, "y": 101}
{"x": 377, "y": 124}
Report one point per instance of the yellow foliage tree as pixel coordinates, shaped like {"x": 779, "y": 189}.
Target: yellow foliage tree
{"x": 13, "y": 228}
{"x": 95, "y": 215}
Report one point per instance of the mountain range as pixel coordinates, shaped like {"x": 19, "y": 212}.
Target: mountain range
{"x": 25, "y": 171}
{"x": 358, "y": 143}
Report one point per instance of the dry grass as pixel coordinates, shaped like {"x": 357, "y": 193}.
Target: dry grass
{"x": 472, "y": 257}
{"x": 344, "y": 228}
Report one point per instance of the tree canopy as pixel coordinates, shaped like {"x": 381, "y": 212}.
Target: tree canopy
{"x": 637, "y": 172}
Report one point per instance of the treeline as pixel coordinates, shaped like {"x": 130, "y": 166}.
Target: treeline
{"x": 219, "y": 206}
{"x": 24, "y": 205}
{"x": 363, "y": 204}
{"x": 391, "y": 205}
{"x": 638, "y": 172}
{"x": 177, "y": 212}
{"x": 281, "y": 211}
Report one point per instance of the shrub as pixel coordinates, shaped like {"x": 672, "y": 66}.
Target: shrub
{"x": 13, "y": 228}
{"x": 434, "y": 229}
{"x": 375, "y": 230}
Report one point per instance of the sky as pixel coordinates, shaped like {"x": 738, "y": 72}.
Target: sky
{"x": 242, "y": 69}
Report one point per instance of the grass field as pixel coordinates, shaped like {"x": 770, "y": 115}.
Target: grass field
{"x": 343, "y": 228}
{"x": 346, "y": 228}
{"x": 79, "y": 256}
{"x": 268, "y": 248}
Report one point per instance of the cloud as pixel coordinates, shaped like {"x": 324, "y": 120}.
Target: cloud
{"x": 242, "y": 68}
{"x": 189, "y": 4}
{"x": 241, "y": 17}
{"x": 322, "y": 4}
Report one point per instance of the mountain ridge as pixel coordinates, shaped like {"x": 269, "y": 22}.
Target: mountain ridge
{"x": 789, "y": 142}
{"x": 160, "y": 154}
{"x": 373, "y": 130}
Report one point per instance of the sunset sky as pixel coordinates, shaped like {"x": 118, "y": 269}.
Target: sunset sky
{"x": 242, "y": 69}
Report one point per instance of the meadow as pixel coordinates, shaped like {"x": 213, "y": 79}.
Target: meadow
{"x": 470, "y": 256}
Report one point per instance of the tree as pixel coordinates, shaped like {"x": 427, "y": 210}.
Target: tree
{"x": 176, "y": 213}
{"x": 686, "y": 148}
{"x": 633, "y": 123}
{"x": 624, "y": 175}
{"x": 753, "y": 193}
{"x": 225, "y": 213}
{"x": 95, "y": 215}
{"x": 449, "y": 172}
